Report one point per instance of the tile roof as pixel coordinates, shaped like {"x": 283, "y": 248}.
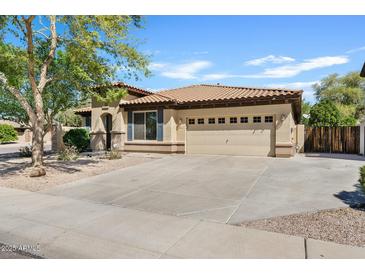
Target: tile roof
{"x": 82, "y": 110}
{"x": 210, "y": 93}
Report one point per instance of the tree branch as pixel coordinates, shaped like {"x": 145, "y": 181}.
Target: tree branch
{"x": 29, "y": 36}
{"x": 18, "y": 96}
{"x": 43, "y": 76}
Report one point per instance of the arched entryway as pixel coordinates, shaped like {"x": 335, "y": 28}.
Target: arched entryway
{"x": 107, "y": 121}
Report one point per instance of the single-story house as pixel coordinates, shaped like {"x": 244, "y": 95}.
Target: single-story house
{"x": 201, "y": 119}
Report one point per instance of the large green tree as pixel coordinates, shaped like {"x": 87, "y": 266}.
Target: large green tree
{"x": 306, "y": 107}
{"x": 347, "y": 92}
{"x": 46, "y": 60}
{"x": 324, "y": 114}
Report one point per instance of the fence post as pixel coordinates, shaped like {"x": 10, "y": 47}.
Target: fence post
{"x": 330, "y": 139}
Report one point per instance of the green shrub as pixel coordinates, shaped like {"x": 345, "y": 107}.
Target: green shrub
{"x": 68, "y": 153}
{"x": 25, "y": 151}
{"x": 362, "y": 176}
{"x": 77, "y": 137}
{"x": 7, "y": 134}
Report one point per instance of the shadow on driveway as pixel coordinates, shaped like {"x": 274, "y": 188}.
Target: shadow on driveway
{"x": 342, "y": 156}
{"x": 352, "y": 198}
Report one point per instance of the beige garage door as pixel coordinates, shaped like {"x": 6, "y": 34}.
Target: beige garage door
{"x": 256, "y": 139}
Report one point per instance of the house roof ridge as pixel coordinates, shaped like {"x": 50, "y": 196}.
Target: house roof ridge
{"x": 252, "y": 87}
{"x": 173, "y": 89}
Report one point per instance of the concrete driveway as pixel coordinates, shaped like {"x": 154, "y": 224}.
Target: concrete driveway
{"x": 176, "y": 207}
{"x": 225, "y": 189}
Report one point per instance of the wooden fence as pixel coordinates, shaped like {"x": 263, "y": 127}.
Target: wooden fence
{"x": 332, "y": 139}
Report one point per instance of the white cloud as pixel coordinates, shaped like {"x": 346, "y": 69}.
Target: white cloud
{"x": 269, "y": 59}
{"x": 295, "y": 69}
{"x": 155, "y": 89}
{"x": 285, "y": 71}
{"x": 218, "y": 76}
{"x": 157, "y": 66}
{"x": 181, "y": 71}
{"x": 200, "y": 52}
{"x": 356, "y": 50}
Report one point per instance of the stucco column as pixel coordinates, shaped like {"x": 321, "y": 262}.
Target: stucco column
{"x": 284, "y": 147}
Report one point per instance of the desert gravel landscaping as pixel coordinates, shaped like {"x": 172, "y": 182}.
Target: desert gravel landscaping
{"x": 14, "y": 171}
{"x": 342, "y": 225}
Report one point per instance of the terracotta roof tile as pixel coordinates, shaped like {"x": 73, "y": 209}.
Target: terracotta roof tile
{"x": 206, "y": 93}
{"x": 82, "y": 110}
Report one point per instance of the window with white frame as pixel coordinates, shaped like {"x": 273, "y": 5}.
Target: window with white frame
{"x": 191, "y": 121}
{"x": 200, "y": 121}
{"x": 145, "y": 125}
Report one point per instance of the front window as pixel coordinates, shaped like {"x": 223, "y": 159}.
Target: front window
{"x": 145, "y": 125}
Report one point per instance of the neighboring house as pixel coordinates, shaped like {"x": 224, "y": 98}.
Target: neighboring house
{"x": 201, "y": 119}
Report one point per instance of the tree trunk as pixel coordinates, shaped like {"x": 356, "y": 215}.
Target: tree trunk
{"x": 37, "y": 144}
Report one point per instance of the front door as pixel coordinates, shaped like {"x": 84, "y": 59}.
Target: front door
{"x": 108, "y": 129}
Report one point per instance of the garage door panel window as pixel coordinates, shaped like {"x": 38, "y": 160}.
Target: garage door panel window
{"x": 268, "y": 119}
{"x": 244, "y": 120}
{"x": 221, "y": 120}
{"x": 145, "y": 125}
{"x": 211, "y": 121}
{"x": 257, "y": 119}
{"x": 191, "y": 121}
{"x": 200, "y": 121}
{"x": 233, "y": 120}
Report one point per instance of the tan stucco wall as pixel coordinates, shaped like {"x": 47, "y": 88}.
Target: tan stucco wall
{"x": 300, "y": 138}
{"x": 98, "y": 134}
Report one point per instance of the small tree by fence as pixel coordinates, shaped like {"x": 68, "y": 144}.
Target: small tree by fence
{"x": 332, "y": 139}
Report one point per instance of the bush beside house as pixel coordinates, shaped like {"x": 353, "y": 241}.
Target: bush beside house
{"x": 7, "y": 134}
{"x": 77, "y": 137}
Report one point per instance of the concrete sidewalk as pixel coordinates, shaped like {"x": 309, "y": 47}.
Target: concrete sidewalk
{"x": 69, "y": 228}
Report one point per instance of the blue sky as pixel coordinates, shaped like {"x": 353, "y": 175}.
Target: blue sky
{"x": 268, "y": 51}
